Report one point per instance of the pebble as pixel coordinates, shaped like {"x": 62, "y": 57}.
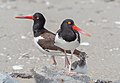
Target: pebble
{"x": 104, "y": 20}
{"x": 114, "y": 49}
{"x": 117, "y": 22}
{"x": 5, "y": 48}
{"x": 1, "y": 54}
{"x": 102, "y": 59}
{"x": 23, "y": 37}
{"x": 5, "y": 78}
{"x": 84, "y": 44}
{"x": 9, "y": 57}
{"x": 109, "y": 0}
{"x": 47, "y": 3}
{"x": 17, "y": 67}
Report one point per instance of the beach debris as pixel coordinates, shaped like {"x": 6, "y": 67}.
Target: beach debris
{"x": 50, "y": 74}
{"x": 23, "y": 37}
{"x": 114, "y": 49}
{"x": 117, "y": 22}
{"x": 5, "y": 78}
{"x": 109, "y": 0}
{"x": 91, "y": 20}
{"x": 2, "y": 54}
{"x": 104, "y": 20}
{"x": 40, "y": 78}
{"x": 103, "y": 81}
{"x": 102, "y": 59}
{"x": 9, "y": 57}
{"x": 84, "y": 44}
{"x": 98, "y": 11}
{"x": 5, "y": 48}
{"x": 17, "y": 67}
{"x": 21, "y": 75}
{"x": 24, "y": 55}
{"x": 47, "y": 3}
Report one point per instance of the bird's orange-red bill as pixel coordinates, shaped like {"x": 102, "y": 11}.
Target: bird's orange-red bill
{"x": 81, "y": 31}
{"x": 24, "y": 17}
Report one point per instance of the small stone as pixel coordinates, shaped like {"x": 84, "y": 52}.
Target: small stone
{"x": 23, "y": 37}
{"x": 104, "y": 20}
{"x": 109, "y": 0}
{"x": 102, "y": 59}
{"x": 111, "y": 50}
{"x": 117, "y": 22}
{"x": 1, "y": 54}
{"x": 84, "y": 44}
{"x": 4, "y": 48}
{"x": 17, "y": 67}
{"x": 9, "y": 57}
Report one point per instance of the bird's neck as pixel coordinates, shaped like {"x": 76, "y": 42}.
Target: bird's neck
{"x": 37, "y": 29}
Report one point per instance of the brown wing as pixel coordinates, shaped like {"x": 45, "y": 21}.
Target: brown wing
{"x": 48, "y": 42}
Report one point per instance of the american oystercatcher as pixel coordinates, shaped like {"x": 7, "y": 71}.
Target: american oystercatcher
{"x": 68, "y": 37}
{"x": 80, "y": 66}
{"x": 44, "y": 39}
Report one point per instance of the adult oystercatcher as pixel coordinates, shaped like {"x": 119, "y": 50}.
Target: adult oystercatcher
{"x": 68, "y": 37}
{"x": 44, "y": 39}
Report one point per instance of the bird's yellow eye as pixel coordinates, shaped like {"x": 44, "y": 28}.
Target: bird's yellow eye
{"x": 69, "y": 23}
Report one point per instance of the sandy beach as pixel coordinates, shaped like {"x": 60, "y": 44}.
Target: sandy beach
{"x": 101, "y": 18}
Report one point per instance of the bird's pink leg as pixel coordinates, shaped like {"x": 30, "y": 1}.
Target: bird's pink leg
{"x": 54, "y": 61}
{"x": 67, "y": 63}
{"x": 71, "y": 73}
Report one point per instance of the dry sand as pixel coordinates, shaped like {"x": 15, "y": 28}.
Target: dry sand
{"x": 101, "y": 18}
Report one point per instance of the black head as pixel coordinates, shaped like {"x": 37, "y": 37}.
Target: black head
{"x": 39, "y": 21}
{"x": 67, "y": 23}
{"x": 39, "y": 18}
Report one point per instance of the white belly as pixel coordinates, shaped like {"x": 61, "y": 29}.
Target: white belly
{"x": 66, "y": 45}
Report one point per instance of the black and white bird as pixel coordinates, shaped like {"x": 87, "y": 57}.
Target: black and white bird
{"x": 44, "y": 39}
{"x": 80, "y": 66}
{"x": 68, "y": 37}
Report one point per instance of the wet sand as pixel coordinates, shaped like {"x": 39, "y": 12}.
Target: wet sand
{"x": 101, "y": 18}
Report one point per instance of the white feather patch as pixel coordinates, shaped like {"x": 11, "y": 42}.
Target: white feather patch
{"x": 66, "y": 45}
{"x": 38, "y": 38}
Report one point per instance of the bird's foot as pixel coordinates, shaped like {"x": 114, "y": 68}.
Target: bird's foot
{"x": 54, "y": 63}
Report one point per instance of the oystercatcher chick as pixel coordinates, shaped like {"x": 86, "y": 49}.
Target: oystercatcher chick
{"x": 80, "y": 66}
{"x": 68, "y": 38}
{"x": 44, "y": 39}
